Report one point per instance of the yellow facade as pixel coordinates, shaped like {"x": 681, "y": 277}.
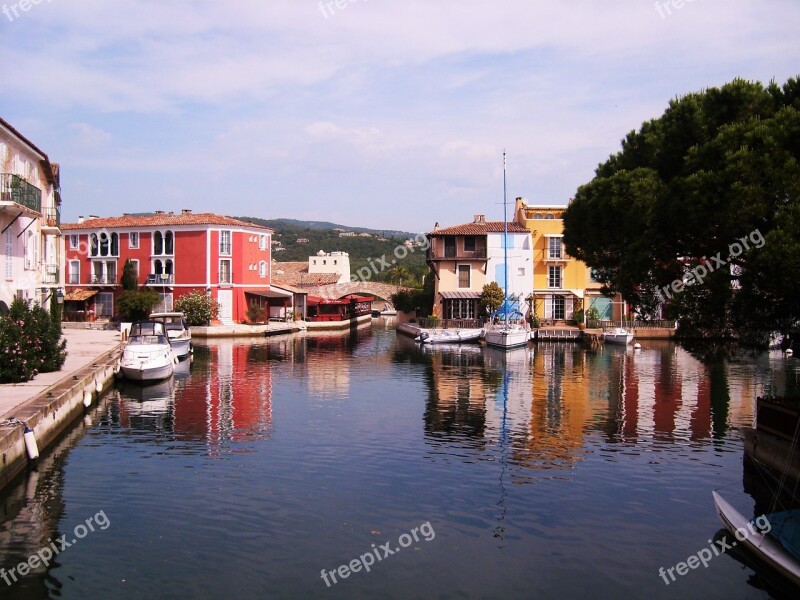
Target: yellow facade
{"x": 561, "y": 284}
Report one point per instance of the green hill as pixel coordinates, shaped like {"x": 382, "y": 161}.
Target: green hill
{"x": 363, "y": 249}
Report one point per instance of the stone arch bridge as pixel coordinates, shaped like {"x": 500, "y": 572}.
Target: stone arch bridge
{"x": 382, "y": 291}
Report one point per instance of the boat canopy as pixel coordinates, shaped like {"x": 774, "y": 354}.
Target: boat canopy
{"x": 509, "y": 309}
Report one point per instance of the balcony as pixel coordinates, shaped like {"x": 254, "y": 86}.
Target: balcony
{"x": 554, "y": 257}
{"x": 160, "y": 279}
{"x": 52, "y": 218}
{"x": 50, "y": 276}
{"x": 452, "y": 254}
{"x": 109, "y": 279}
{"x": 14, "y": 188}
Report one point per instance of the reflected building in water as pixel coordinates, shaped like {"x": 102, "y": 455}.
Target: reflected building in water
{"x": 551, "y": 398}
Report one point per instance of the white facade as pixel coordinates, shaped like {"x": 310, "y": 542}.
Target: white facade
{"x": 331, "y": 262}
{"x": 520, "y": 265}
{"x": 31, "y": 261}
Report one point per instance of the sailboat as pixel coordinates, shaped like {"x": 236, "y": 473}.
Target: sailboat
{"x": 506, "y": 327}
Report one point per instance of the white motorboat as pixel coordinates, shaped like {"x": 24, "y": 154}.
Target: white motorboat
{"x": 180, "y": 337}
{"x": 449, "y": 336}
{"x": 618, "y": 335}
{"x": 148, "y": 355}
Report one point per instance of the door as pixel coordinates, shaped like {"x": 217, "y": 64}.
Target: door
{"x": 225, "y": 299}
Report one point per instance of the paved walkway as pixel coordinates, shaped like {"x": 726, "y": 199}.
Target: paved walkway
{"x": 83, "y": 347}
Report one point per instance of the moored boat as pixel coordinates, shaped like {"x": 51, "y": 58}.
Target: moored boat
{"x": 618, "y": 335}
{"x": 449, "y": 336}
{"x": 148, "y": 355}
{"x": 776, "y": 543}
{"x": 178, "y": 332}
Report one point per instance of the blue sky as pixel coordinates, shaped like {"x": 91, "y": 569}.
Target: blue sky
{"x": 382, "y": 113}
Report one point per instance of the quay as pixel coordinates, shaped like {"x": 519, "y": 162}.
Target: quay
{"x": 51, "y": 402}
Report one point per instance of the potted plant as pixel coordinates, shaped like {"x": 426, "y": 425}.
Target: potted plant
{"x": 578, "y": 315}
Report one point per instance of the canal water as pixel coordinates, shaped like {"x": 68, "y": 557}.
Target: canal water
{"x": 452, "y": 472}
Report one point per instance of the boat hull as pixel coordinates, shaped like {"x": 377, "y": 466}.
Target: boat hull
{"x": 618, "y": 336}
{"x": 450, "y": 337}
{"x": 506, "y": 338}
{"x": 762, "y": 545}
{"x": 181, "y": 347}
{"x": 148, "y": 373}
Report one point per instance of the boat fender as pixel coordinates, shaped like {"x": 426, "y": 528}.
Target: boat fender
{"x": 30, "y": 443}
{"x": 87, "y": 398}
{"x": 98, "y": 387}
{"x": 789, "y": 352}
{"x": 637, "y": 346}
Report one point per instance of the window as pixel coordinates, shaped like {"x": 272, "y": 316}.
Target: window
{"x": 460, "y": 309}
{"x": 133, "y": 239}
{"x": 225, "y": 271}
{"x": 9, "y": 255}
{"x": 163, "y": 243}
{"x": 554, "y": 277}
{"x": 262, "y": 268}
{"x": 463, "y": 276}
{"x": 104, "y": 271}
{"x": 521, "y": 271}
{"x": 31, "y": 251}
{"x": 470, "y": 243}
{"x": 104, "y": 304}
{"x": 554, "y": 247}
{"x": 74, "y": 276}
{"x": 135, "y": 264}
{"x": 73, "y": 242}
{"x": 559, "y": 312}
{"x": 449, "y": 247}
{"x": 262, "y": 242}
{"x": 225, "y": 243}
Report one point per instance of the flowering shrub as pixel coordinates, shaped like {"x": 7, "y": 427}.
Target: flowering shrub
{"x": 198, "y": 308}
{"x": 30, "y": 343}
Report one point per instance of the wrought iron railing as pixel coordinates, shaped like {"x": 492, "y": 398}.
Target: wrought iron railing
{"x": 631, "y": 324}
{"x": 53, "y": 217}
{"x": 160, "y": 279}
{"x": 103, "y": 280}
{"x": 14, "y": 188}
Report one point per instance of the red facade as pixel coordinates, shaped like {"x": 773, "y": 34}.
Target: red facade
{"x": 175, "y": 253}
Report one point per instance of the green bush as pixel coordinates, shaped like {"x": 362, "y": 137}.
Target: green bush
{"x": 135, "y": 305}
{"x": 198, "y": 308}
{"x": 256, "y": 313}
{"x": 30, "y": 343}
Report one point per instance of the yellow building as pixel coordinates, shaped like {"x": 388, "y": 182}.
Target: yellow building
{"x": 561, "y": 284}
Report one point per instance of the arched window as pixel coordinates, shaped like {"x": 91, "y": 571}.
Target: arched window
{"x": 103, "y": 244}
{"x": 114, "y": 244}
{"x": 158, "y": 267}
{"x": 93, "y": 245}
{"x": 169, "y": 243}
{"x": 262, "y": 268}
{"x": 158, "y": 243}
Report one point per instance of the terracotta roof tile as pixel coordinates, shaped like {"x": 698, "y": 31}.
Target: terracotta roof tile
{"x": 160, "y": 220}
{"x": 479, "y": 228}
{"x": 296, "y": 274}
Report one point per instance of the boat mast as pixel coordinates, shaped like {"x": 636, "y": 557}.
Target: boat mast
{"x": 505, "y": 243}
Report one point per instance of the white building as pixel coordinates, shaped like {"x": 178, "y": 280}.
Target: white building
{"x": 332, "y": 262}
{"x": 30, "y": 213}
{"x": 520, "y": 265}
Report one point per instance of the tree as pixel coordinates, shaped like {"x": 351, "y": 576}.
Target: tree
{"x": 135, "y": 305}
{"x": 492, "y": 297}
{"x": 30, "y": 343}
{"x": 129, "y": 280}
{"x": 199, "y": 308}
{"x": 707, "y": 193}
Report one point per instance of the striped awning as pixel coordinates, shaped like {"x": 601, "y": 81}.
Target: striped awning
{"x": 460, "y": 295}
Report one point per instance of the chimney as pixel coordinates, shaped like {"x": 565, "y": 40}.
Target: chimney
{"x": 436, "y": 226}
{"x": 80, "y": 218}
{"x": 159, "y": 212}
{"x": 126, "y": 214}
{"x": 480, "y": 219}
{"x": 186, "y": 211}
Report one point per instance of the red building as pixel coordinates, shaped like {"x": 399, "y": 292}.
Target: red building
{"x": 175, "y": 254}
